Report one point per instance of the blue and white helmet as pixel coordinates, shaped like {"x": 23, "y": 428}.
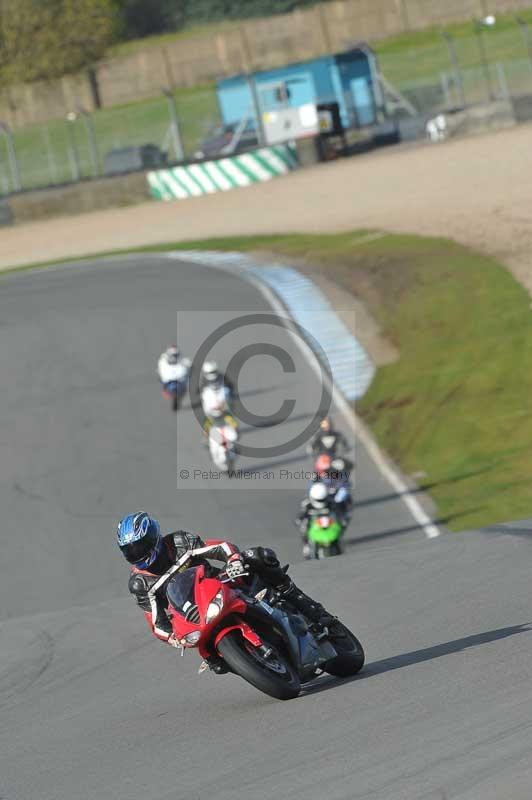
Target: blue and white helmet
{"x": 139, "y": 538}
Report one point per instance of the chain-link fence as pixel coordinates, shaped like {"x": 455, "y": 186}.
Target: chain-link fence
{"x": 488, "y": 59}
{"x": 170, "y": 128}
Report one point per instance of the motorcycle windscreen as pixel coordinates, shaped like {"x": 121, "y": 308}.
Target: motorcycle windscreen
{"x": 325, "y": 536}
{"x": 180, "y": 591}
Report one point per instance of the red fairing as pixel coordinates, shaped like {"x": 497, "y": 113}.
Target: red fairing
{"x": 211, "y": 592}
{"x": 247, "y": 632}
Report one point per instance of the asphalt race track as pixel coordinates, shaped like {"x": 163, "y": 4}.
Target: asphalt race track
{"x": 92, "y": 708}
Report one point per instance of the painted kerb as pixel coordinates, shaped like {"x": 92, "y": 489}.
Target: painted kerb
{"x": 224, "y": 174}
{"x": 351, "y": 367}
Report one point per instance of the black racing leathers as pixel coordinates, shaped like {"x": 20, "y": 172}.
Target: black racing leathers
{"x": 332, "y": 443}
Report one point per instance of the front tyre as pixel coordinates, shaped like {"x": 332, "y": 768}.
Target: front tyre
{"x": 271, "y": 674}
{"x": 350, "y": 658}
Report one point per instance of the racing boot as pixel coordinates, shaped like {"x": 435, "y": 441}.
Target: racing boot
{"x": 310, "y": 609}
{"x": 265, "y": 563}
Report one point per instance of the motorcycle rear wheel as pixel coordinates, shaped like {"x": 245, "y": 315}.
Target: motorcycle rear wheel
{"x": 275, "y": 676}
{"x": 350, "y": 658}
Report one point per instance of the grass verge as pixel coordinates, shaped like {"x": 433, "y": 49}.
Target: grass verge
{"x": 47, "y": 156}
{"x": 455, "y": 405}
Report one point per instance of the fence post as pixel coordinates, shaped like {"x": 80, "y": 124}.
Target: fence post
{"x": 252, "y": 83}
{"x": 52, "y": 166}
{"x": 525, "y": 30}
{"x": 12, "y": 155}
{"x": 73, "y": 154}
{"x": 94, "y": 87}
{"x": 479, "y": 31}
{"x": 404, "y": 16}
{"x": 321, "y": 18}
{"x": 91, "y": 138}
{"x": 444, "y": 81}
{"x": 503, "y": 82}
{"x": 174, "y": 126}
{"x": 167, "y": 64}
{"x": 245, "y": 50}
{"x": 453, "y": 58}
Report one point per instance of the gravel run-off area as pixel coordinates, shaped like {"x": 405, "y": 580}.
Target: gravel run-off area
{"x": 476, "y": 190}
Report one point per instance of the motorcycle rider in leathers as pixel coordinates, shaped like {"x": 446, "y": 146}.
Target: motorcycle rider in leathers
{"x": 320, "y": 502}
{"x": 168, "y": 362}
{"x": 327, "y": 440}
{"x": 212, "y": 377}
{"x": 151, "y": 555}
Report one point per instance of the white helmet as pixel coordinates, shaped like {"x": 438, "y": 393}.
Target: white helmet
{"x": 318, "y": 495}
{"x": 172, "y": 355}
{"x": 210, "y": 370}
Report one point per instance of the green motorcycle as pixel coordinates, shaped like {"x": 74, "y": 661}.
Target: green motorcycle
{"x": 324, "y": 537}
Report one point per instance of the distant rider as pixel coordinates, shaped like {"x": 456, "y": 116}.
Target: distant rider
{"x": 151, "y": 555}
{"x": 335, "y": 474}
{"x": 213, "y": 378}
{"x": 166, "y": 366}
{"x": 328, "y": 440}
{"x": 319, "y": 503}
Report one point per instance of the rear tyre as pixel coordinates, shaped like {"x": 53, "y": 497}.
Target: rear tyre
{"x": 176, "y": 401}
{"x": 350, "y": 658}
{"x": 335, "y": 549}
{"x": 231, "y": 465}
{"x": 274, "y": 675}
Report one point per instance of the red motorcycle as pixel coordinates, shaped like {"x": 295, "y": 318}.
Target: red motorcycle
{"x": 255, "y": 632}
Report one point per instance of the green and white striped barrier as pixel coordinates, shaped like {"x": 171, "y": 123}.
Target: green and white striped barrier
{"x": 223, "y": 174}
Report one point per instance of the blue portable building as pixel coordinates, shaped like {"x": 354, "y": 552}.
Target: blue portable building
{"x": 350, "y": 79}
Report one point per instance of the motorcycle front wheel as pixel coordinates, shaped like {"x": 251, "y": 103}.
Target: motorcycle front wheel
{"x": 350, "y": 658}
{"x": 270, "y": 674}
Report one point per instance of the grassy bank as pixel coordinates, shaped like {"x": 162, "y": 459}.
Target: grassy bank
{"x": 504, "y": 40}
{"x": 411, "y": 57}
{"x": 455, "y": 406}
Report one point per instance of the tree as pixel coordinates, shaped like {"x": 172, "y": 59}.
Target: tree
{"x": 146, "y": 17}
{"x": 205, "y": 10}
{"x": 44, "y": 39}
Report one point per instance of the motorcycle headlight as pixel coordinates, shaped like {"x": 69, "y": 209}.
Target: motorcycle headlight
{"x": 215, "y": 606}
{"x": 192, "y": 638}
